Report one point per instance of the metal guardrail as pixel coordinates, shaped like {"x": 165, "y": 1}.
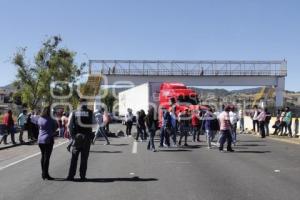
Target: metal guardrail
{"x": 188, "y": 68}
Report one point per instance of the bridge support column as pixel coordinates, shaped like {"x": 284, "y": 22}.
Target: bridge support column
{"x": 280, "y": 91}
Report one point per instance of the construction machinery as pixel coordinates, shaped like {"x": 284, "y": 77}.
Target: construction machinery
{"x": 264, "y": 94}
{"x": 91, "y": 89}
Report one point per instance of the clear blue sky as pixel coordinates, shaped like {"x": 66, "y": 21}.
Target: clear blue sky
{"x": 155, "y": 29}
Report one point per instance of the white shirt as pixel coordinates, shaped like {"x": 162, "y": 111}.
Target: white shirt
{"x": 233, "y": 117}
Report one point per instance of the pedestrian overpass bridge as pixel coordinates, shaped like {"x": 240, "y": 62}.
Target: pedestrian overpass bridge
{"x": 193, "y": 73}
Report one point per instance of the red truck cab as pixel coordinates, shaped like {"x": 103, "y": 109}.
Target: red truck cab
{"x": 179, "y": 95}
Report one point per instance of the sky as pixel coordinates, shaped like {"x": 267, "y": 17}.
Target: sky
{"x": 155, "y": 29}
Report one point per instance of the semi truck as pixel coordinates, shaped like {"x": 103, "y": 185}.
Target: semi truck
{"x": 158, "y": 95}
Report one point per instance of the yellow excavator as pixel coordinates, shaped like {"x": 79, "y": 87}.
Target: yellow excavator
{"x": 264, "y": 93}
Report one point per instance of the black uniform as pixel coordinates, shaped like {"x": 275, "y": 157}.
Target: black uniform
{"x": 81, "y": 130}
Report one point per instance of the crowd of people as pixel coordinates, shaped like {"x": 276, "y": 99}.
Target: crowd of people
{"x": 282, "y": 126}
{"x": 206, "y": 122}
{"x": 174, "y": 128}
{"x": 180, "y": 125}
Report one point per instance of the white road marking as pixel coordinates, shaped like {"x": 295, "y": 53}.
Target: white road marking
{"x": 31, "y": 156}
{"x": 277, "y": 171}
{"x": 132, "y": 173}
{"x": 134, "y": 147}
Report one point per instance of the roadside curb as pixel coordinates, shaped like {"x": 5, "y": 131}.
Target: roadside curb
{"x": 279, "y": 139}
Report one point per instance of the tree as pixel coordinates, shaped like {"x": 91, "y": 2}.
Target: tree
{"x": 109, "y": 100}
{"x": 51, "y": 64}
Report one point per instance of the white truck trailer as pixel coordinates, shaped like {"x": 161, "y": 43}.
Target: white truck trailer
{"x": 139, "y": 97}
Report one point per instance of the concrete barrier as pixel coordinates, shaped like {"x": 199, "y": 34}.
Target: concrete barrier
{"x": 249, "y": 126}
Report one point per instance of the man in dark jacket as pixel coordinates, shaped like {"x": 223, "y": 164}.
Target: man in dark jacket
{"x": 80, "y": 127}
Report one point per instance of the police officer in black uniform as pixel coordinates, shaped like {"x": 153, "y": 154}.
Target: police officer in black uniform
{"x": 80, "y": 127}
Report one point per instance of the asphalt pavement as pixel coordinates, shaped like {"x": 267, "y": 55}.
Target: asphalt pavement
{"x": 258, "y": 169}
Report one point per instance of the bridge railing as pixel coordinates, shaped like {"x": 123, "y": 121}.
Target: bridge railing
{"x": 135, "y": 68}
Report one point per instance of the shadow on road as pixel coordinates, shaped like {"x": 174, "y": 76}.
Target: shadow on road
{"x": 109, "y": 180}
{"x": 251, "y": 145}
{"x": 245, "y": 141}
{"x": 8, "y": 146}
{"x": 174, "y": 150}
{"x": 252, "y": 151}
{"x": 118, "y": 145}
{"x": 105, "y": 151}
{"x": 192, "y": 147}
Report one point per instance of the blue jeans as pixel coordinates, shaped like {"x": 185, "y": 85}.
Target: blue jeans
{"x": 101, "y": 132}
{"x": 196, "y": 132}
{"x": 162, "y": 136}
{"x": 151, "y": 139}
{"x": 173, "y": 133}
{"x": 225, "y": 135}
{"x": 233, "y": 133}
{"x": 210, "y": 135}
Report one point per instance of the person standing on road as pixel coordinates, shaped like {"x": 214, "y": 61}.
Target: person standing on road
{"x": 100, "y": 130}
{"x": 60, "y": 126}
{"x": 242, "y": 121}
{"x": 143, "y": 125}
{"x": 283, "y": 125}
{"x": 225, "y": 127}
{"x": 80, "y": 126}
{"x": 254, "y": 115}
{"x": 162, "y": 133}
{"x": 64, "y": 120}
{"x": 288, "y": 120}
{"x": 47, "y": 127}
{"x": 261, "y": 120}
{"x": 195, "y": 125}
{"x": 22, "y": 118}
{"x": 184, "y": 123}
{"x": 167, "y": 125}
{"x": 267, "y": 123}
{"x": 208, "y": 124}
{"x": 140, "y": 123}
{"x": 277, "y": 123}
{"x": 151, "y": 126}
{"x": 34, "y": 120}
{"x": 106, "y": 120}
{"x": 233, "y": 120}
{"x": 128, "y": 121}
{"x": 173, "y": 125}
{"x": 29, "y": 127}
{"x": 296, "y": 126}
{"x": 9, "y": 127}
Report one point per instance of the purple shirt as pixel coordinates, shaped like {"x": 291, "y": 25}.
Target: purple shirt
{"x": 47, "y": 127}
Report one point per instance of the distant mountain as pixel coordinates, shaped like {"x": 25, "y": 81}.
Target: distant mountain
{"x": 9, "y": 87}
{"x": 246, "y": 91}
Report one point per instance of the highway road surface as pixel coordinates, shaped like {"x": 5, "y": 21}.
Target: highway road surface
{"x": 260, "y": 169}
